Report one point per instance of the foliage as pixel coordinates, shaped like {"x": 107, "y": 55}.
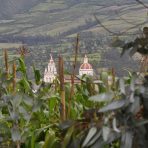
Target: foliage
{"x": 103, "y": 113}
{"x": 138, "y": 45}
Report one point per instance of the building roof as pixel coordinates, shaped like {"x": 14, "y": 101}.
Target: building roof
{"x": 85, "y": 64}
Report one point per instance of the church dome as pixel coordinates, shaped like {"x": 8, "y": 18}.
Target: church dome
{"x": 85, "y": 66}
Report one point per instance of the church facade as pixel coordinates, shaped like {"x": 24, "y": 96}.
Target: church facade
{"x": 86, "y": 68}
{"x": 50, "y": 72}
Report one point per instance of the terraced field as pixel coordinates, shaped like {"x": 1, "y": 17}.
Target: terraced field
{"x": 54, "y": 17}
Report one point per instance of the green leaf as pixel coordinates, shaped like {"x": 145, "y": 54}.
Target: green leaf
{"x": 115, "y": 126}
{"x": 16, "y": 100}
{"x": 113, "y": 136}
{"x": 89, "y": 136}
{"x": 16, "y": 135}
{"x": 25, "y": 84}
{"x": 33, "y": 140}
{"x": 122, "y": 86}
{"x": 102, "y": 97}
{"x": 135, "y": 106}
{"x": 25, "y": 114}
{"x": 37, "y": 75}
{"x": 50, "y": 139}
{"x": 52, "y": 103}
{"x": 99, "y": 144}
{"x": 106, "y": 131}
{"x": 94, "y": 139}
{"x": 127, "y": 140}
{"x": 114, "y": 105}
{"x": 36, "y": 106}
{"x": 67, "y": 138}
{"x": 28, "y": 100}
{"x": 132, "y": 84}
{"x": 22, "y": 66}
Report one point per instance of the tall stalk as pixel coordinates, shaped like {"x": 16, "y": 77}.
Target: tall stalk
{"x": 62, "y": 88}
{"x": 14, "y": 77}
{"x": 73, "y": 73}
{"x": 113, "y": 79}
{"x": 6, "y": 62}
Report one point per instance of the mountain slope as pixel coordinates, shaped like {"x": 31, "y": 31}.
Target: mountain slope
{"x": 10, "y": 7}
{"x": 67, "y": 17}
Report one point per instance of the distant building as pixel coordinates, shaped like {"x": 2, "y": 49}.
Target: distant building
{"x": 50, "y": 72}
{"x": 86, "y": 68}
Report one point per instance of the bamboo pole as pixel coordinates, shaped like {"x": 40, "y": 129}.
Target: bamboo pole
{"x": 62, "y": 88}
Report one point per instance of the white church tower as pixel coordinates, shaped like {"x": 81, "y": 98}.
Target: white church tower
{"x": 86, "y": 68}
{"x": 50, "y": 72}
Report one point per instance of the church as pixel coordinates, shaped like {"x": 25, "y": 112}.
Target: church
{"x": 50, "y": 72}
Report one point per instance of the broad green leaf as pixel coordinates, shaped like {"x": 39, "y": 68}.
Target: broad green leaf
{"x": 25, "y": 114}
{"x": 102, "y": 97}
{"x": 22, "y": 66}
{"x": 113, "y": 136}
{"x": 33, "y": 140}
{"x": 27, "y": 100}
{"x": 127, "y": 140}
{"x": 37, "y": 75}
{"x": 89, "y": 136}
{"x": 16, "y": 135}
{"x": 104, "y": 76}
{"x": 132, "y": 84}
{"x": 99, "y": 144}
{"x": 36, "y": 106}
{"x": 106, "y": 131}
{"x": 39, "y": 144}
{"x": 115, "y": 126}
{"x": 67, "y": 137}
{"x": 50, "y": 139}
{"x": 114, "y": 105}
{"x": 52, "y": 103}
{"x": 25, "y": 84}
{"x": 16, "y": 100}
{"x": 122, "y": 86}
{"x": 135, "y": 106}
{"x": 94, "y": 139}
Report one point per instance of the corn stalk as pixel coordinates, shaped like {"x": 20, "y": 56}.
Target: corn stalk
{"x": 73, "y": 73}
{"x": 62, "y": 88}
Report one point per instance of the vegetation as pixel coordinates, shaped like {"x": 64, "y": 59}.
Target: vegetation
{"x": 107, "y": 113}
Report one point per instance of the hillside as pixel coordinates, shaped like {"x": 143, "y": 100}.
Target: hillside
{"x": 10, "y": 7}
{"x": 67, "y": 17}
